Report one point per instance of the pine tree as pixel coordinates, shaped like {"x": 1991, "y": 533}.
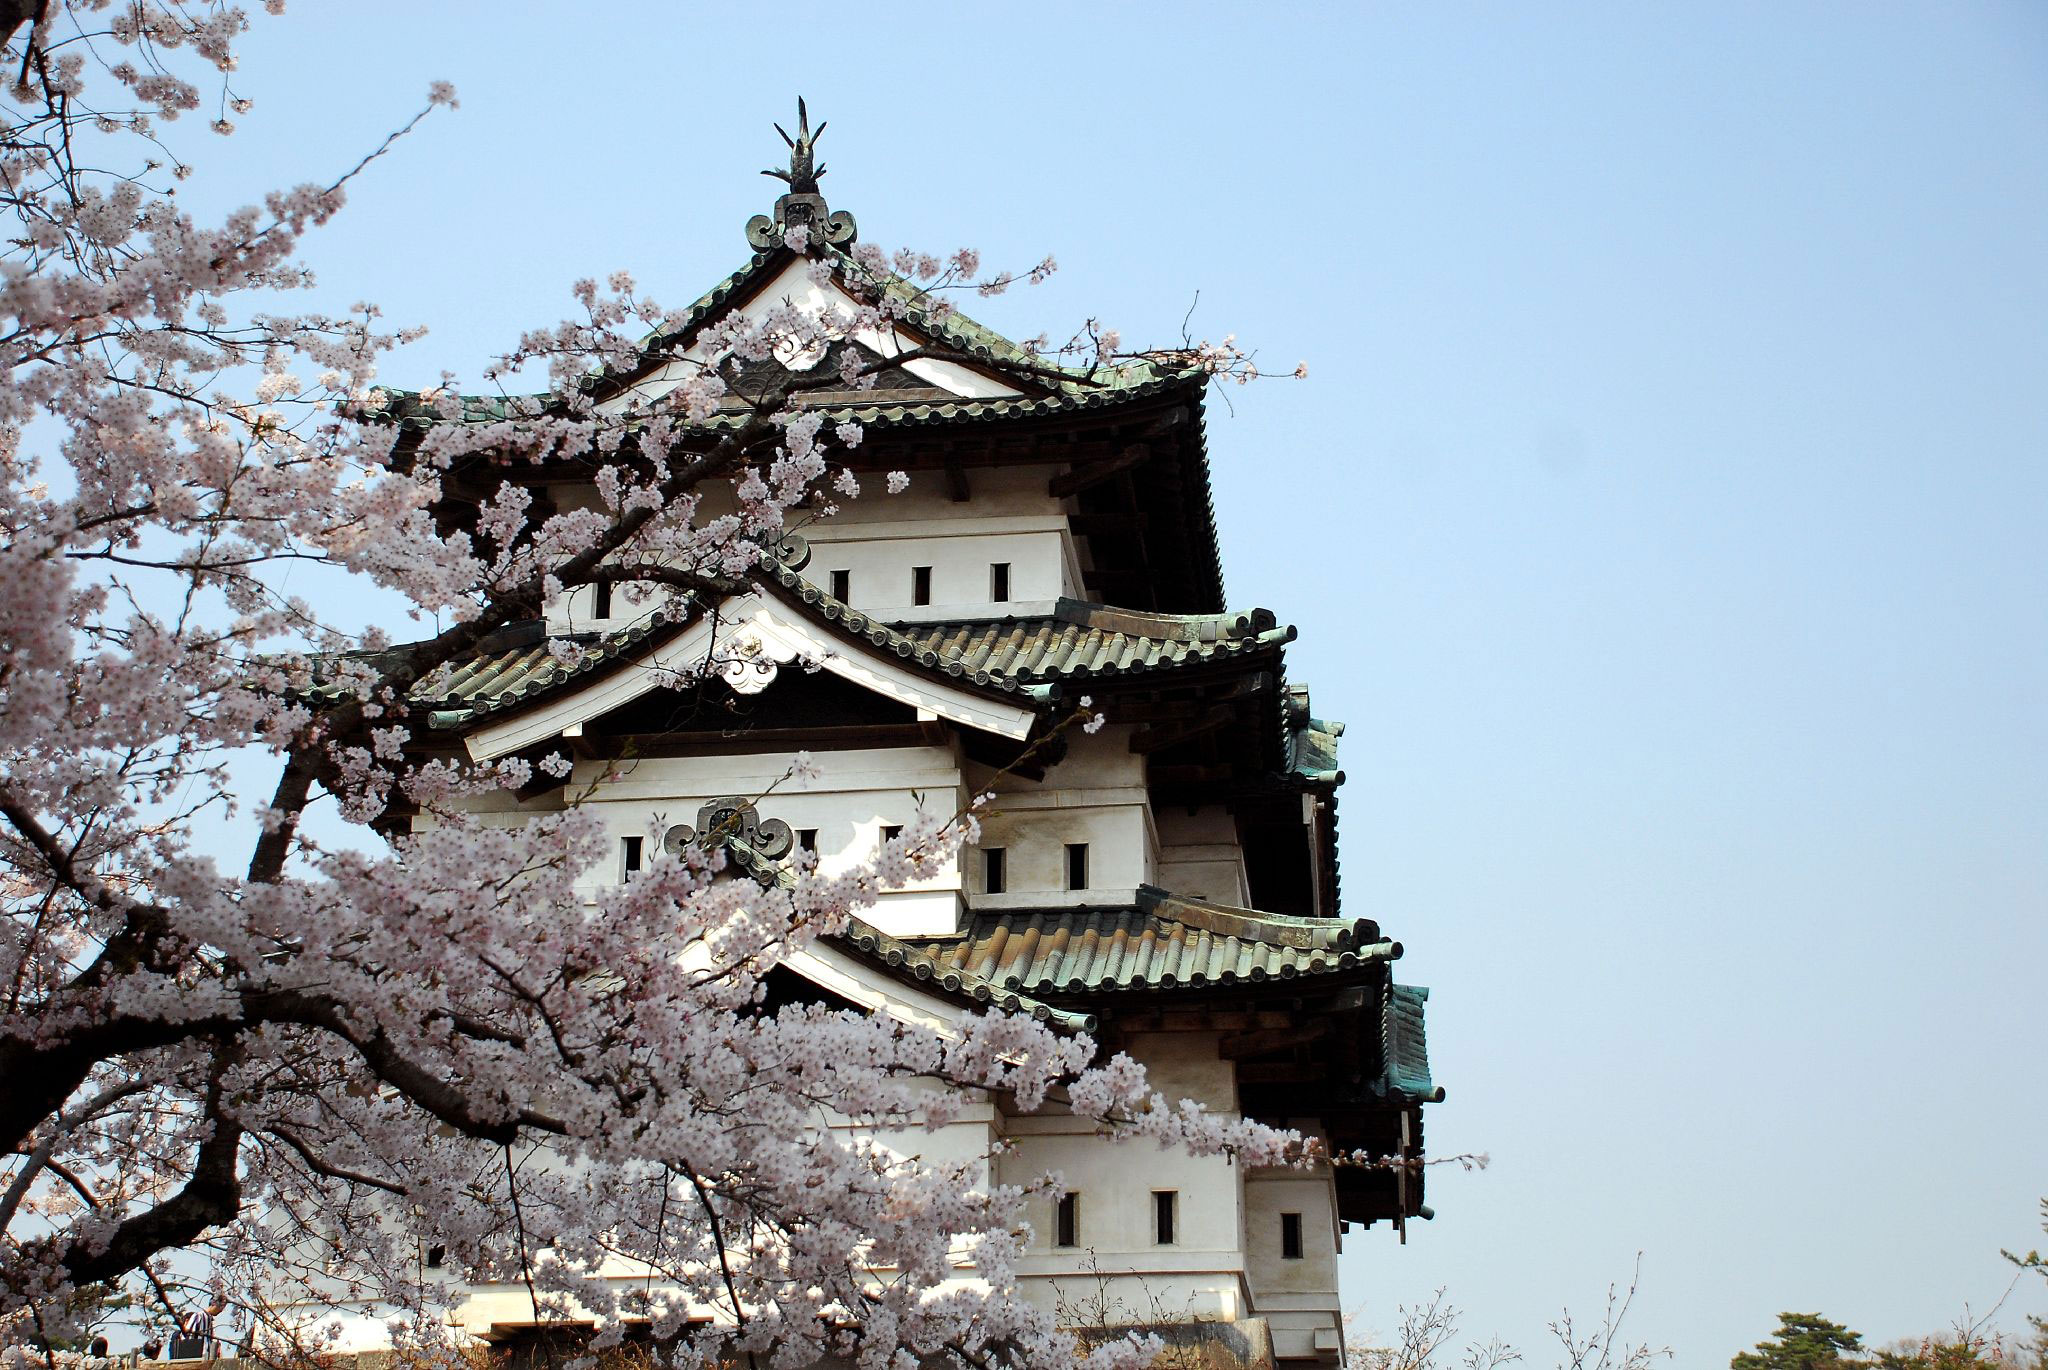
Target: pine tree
{"x": 1804, "y": 1341}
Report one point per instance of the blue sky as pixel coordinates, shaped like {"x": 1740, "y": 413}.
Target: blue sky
{"x": 1664, "y": 514}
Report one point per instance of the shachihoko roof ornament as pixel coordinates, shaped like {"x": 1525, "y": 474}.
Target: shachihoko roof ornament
{"x": 803, "y": 207}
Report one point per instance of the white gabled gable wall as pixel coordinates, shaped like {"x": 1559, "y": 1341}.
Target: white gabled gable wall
{"x": 794, "y": 286}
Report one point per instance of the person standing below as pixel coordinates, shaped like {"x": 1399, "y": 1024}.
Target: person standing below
{"x": 151, "y": 1349}
{"x": 195, "y": 1333}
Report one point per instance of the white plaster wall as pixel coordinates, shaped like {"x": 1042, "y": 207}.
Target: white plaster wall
{"x": 1200, "y": 855}
{"x": 1298, "y": 1297}
{"x": 1268, "y": 1194}
{"x": 855, "y": 794}
{"x": 879, "y": 537}
{"x": 993, "y": 492}
{"x": 1035, "y": 840}
{"x": 1008, "y": 517}
{"x": 1095, "y": 795}
{"x": 1185, "y": 1065}
{"x": 960, "y": 554}
{"x": 1202, "y": 1273}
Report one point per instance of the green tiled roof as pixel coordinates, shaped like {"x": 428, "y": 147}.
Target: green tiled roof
{"x": 1065, "y": 388}
{"x": 882, "y": 410}
{"x": 1311, "y": 741}
{"x": 1018, "y": 656}
{"x": 1404, "y": 1048}
{"x": 1160, "y": 942}
{"x": 956, "y": 329}
{"x": 1082, "y": 640}
{"x": 911, "y": 961}
{"x": 1312, "y": 751}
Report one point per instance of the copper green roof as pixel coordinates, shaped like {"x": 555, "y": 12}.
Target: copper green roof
{"x": 912, "y": 962}
{"x": 1060, "y": 388}
{"x": 1404, "y": 1047}
{"x": 961, "y": 333}
{"x": 1027, "y": 656}
{"x": 1311, "y": 741}
{"x": 880, "y": 410}
{"x": 1084, "y": 640}
{"x": 1159, "y": 942}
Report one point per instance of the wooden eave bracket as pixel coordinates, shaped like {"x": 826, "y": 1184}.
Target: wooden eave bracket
{"x": 1159, "y": 737}
{"x": 1074, "y": 482}
{"x": 1244, "y": 1045}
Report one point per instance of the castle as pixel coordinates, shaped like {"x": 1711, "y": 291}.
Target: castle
{"x": 1169, "y": 883}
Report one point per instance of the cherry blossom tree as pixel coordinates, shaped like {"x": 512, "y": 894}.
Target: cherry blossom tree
{"x": 325, "y": 1056}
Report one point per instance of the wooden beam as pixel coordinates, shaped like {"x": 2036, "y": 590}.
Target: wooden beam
{"x": 956, "y": 481}
{"x": 1102, "y": 576}
{"x": 1280, "y": 1073}
{"x": 1106, "y": 525}
{"x": 1160, "y": 736}
{"x": 1243, "y": 1045}
{"x": 1187, "y": 775}
{"x": 741, "y": 741}
{"x": 1088, "y": 477}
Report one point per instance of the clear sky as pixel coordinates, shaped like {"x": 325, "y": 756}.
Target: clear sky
{"x": 1665, "y": 514}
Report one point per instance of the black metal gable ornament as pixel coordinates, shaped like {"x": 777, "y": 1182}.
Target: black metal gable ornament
{"x": 803, "y": 207}
{"x": 752, "y": 843}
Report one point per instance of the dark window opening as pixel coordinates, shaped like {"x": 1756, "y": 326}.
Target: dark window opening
{"x": 436, "y": 1256}
{"x": 842, "y": 586}
{"x": 1077, "y": 865}
{"x": 1165, "y": 1206}
{"x": 1067, "y": 1221}
{"x": 632, "y": 854}
{"x": 807, "y": 838}
{"x": 1290, "y": 1236}
{"x": 601, "y": 599}
{"x": 992, "y": 870}
{"x": 999, "y": 581}
{"x": 920, "y": 585}
{"x": 891, "y": 831}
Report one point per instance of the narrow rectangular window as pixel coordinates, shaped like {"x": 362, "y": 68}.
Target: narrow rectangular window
{"x": 1290, "y": 1236}
{"x": 999, "y": 582}
{"x": 437, "y": 1256}
{"x": 1067, "y": 1221}
{"x": 1077, "y": 865}
{"x": 807, "y": 838}
{"x": 992, "y": 869}
{"x": 842, "y": 586}
{"x": 891, "y": 831}
{"x": 631, "y": 854}
{"x": 920, "y": 585}
{"x": 1165, "y": 1208}
{"x": 601, "y": 599}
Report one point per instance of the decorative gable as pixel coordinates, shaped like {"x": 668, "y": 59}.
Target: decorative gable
{"x": 792, "y": 284}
